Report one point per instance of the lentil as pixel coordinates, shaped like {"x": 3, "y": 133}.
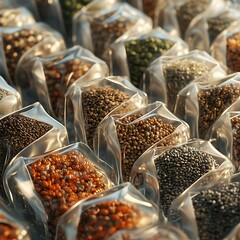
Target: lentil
{"x": 61, "y": 180}
{"x": 233, "y": 52}
{"x": 186, "y": 12}
{"x": 7, "y": 230}
{"x": 141, "y": 52}
{"x": 178, "y": 74}
{"x": 212, "y": 102}
{"x": 59, "y": 77}
{"x": 217, "y": 210}
{"x": 217, "y": 24}
{"x": 16, "y": 44}
{"x": 97, "y": 102}
{"x": 136, "y": 138}
{"x": 4, "y": 93}
{"x": 102, "y": 220}
{"x": 16, "y": 133}
{"x": 236, "y": 138}
{"x": 177, "y": 169}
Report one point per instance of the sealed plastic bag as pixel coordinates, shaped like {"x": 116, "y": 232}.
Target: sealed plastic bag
{"x": 163, "y": 173}
{"x": 121, "y": 139}
{"x": 10, "y": 99}
{"x": 167, "y": 75}
{"x": 204, "y": 28}
{"x": 55, "y": 182}
{"x": 17, "y": 41}
{"x": 28, "y": 132}
{"x": 51, "y": 76}
{"x": 93, "y": 101}
{"x": 132, "y": 56}
{"x": 98, "y": 30}
{"x": 200, "y": 105}
{"x": 225, "y": 133}
{"x": 226, "y": 46}
{"x": 209, "y": 211}
{"x": 117, "y": 210}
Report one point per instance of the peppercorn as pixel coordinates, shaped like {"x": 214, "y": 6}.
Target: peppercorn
{"x": 4, "y": 93}
{"x": 97, "y": 102}
{"x": 217, "y": 210}
{"x": 136, "y": 138}
{"x": 140, "y": 53}
{"x": 212, "y": 102}
{"x": 61, "y": 180}
{"x": 235, "y": 121}
{"x": 173, "y": 171}
{"x": 178, "y": 74}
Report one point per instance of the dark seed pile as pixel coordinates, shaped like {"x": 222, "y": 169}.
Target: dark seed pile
{"x": 213, "y": 102}
{"x": 177, "y": 169}
{"x": 4, "y": 93}
{"x": 236, "y": 138}
{"x": 178, "y": 74}
{"x": 217, "y": 211}
{"x": 97, "y": 102}
{"x": 63, "y": 180}
{"x": 140, "y": 53}
{"x": 102, "y": 220}
{"x": 136, "y": 138}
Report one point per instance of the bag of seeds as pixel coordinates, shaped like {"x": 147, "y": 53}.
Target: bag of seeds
{"x": 115, "y": 211}
{"x": 42, "y": 188}
{"x": 209, "y": 211}
{"x": 167, "y": 75}
{"x": 234, "y": 234}
{"x": 121, "y": 139}
{"x": 94, "y": 100}
{"x": 200, "y": 105}
{"x": 132, "y": 56}
{"x": 102, "y": 28}
{"x": 16, "y": 42}
{"x": 10, "y": 99}
{"x": 225, "y": 133}
{"x": 28, "y": 132}
{"x": 11, "y": 226}
{"x": 52, "y": 75}
{"x": 225, "y": 48}
{"x": 204, "y": 28}
{"x": 163, "y": 173}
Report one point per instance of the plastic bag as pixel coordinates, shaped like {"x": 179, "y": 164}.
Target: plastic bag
{"x": 225, "y": 133}
{"x": 116, "y": 210}
{"x": 15, "y": 43}
{"x": 204, "y": 28}
{"x": 51, "y": 76}
{"x": 55, "y": 182}
{"x": 93, "y": 101}
{"x": 132, "y": 56}
{"x": 167, "y": 75}
{"x": 224, "y": 49}
{"x": 28, "y": 132}
{"x": 200, "y": 105}
{"x": 234, "y": 234}
{"x": 163, "y": 173}
{"x": 102, "y": 28}
{"x": 10, "y": 99}
{"x": 121, "y": 139}
{"x": 209, "y": 211}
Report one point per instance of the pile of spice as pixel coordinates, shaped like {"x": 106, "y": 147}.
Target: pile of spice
{"x": 236, "y": 138}
{"x": 7, "y": 230}
{"x": 4, "y": 93}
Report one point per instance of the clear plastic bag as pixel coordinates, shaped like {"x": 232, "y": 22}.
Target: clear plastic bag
{"x": 116, "y": 210}
{"x": 131, "y": 56}
{"x": 167, "y": 75}
{"x": 102, "y": 28}
{"x": 200, "y": 105}
{"x": 51, "y": 76}
{"x": 234, "y": 234}
{"x": 10, "y": 99}
{"x": 16, "y": 42}
{"x": 204, "y": 28}
{"x": 44, "y": 187}
{"x": 95, "y": 100}
{"x": 28, "y": 132}
{"x": 121, "y": 139}
{"x": 208, "y": 211}
{"x": 164, "y": 173}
